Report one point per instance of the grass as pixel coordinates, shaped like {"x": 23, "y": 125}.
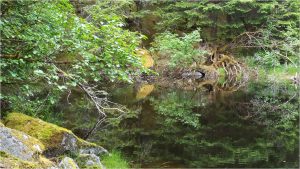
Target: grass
{"x": 282, "y": 73}
{"x": 114, "y": 160}
{"x": 287, "y": 69}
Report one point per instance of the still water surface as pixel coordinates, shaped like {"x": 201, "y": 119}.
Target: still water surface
{"x": 254, "y": 126}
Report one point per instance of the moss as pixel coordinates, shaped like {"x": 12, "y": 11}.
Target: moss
{"x": 9, "y": 161}
{"x": 32, "y": 143}
{"x": 3, "y": 154}
{"x": 72, "y": 163}
{"x": 45, "y": 162}
{"x": 67, "y": 162}
{"x": 38, "y": 161}
{"x": 49, "y": 134}
{"x": 1, "y": 124}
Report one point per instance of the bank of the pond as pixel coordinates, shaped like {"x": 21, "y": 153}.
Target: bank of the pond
{"x": 28, "y": 142}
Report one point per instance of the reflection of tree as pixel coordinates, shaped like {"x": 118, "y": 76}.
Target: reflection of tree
{"x": 80, "y": 113}
{"x": 225, "y": 137}
{"x": 177, "y": 108}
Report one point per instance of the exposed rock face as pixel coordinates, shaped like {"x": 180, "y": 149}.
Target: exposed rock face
{"x": 69, "y": 142}
{"x": 92, "y": 150}
{"x": 19, "y": 144}
{"x": 19, "y": 150}
{"x": 22, "y": 146}
{"x": 89, "y": 161}
{"x": 8, "y": 161}
{"x": 68, "y": 163}
{"x": 57, "y": 140}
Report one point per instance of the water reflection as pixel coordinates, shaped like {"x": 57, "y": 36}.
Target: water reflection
{"x": 256, "y": 126}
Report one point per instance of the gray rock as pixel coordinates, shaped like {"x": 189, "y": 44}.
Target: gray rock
{"x": 19, "y": 144}
{"x": 89, "y": 160}
{"x": 69, "y": 142}
{"x": 93, "y": 150}
{"x": 59, "y": 141}
{"x": 68, "y": 163}
{"x": 192, "y": 75}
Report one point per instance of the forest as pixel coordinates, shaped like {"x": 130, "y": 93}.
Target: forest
{"x": 103, "y": 84}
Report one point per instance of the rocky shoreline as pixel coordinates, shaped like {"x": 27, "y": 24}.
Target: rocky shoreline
{"x": 28, "y": 142}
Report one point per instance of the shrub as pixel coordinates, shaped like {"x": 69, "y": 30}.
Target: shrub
{"x": 180, "y": 50}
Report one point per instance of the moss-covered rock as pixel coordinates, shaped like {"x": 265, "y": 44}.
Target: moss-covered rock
{"x": 20, "y": 145}
{"x": 19, "y": 150}
{"x": 90, "y": 161}
{"x": 68, "y": 163}
{"x": 8, "y": 161}
{"x": 57, "y": 140}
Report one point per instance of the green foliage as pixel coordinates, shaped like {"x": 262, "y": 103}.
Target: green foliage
{"x": 118, "y": 46}
{"x": 267, "y": 59}
{"x": 278, "y": 39}
{"x": 177, "y": 109}
{"x": 114, "y": 160}
{"x": 278, "y": 108}
{"x": 33, "y": 99}
{"x": 47, "y": 43}
{"x": 36, "y": 35}
{"x": 276, "y": 24}
{"x": 280, "y": 45}
{"x": 33, "y": 33}
{"x": 181, "y": 50}
{"x": 219, "y": 20}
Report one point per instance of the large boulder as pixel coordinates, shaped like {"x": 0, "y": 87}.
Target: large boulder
{"x": 20, "y": 144}
{"x": 57, "y": 140}
{"x": 8, "y": 161}
{"x": 19, "y": 150}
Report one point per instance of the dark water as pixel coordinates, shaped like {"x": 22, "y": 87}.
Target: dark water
{"x": 254, "y": 126}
